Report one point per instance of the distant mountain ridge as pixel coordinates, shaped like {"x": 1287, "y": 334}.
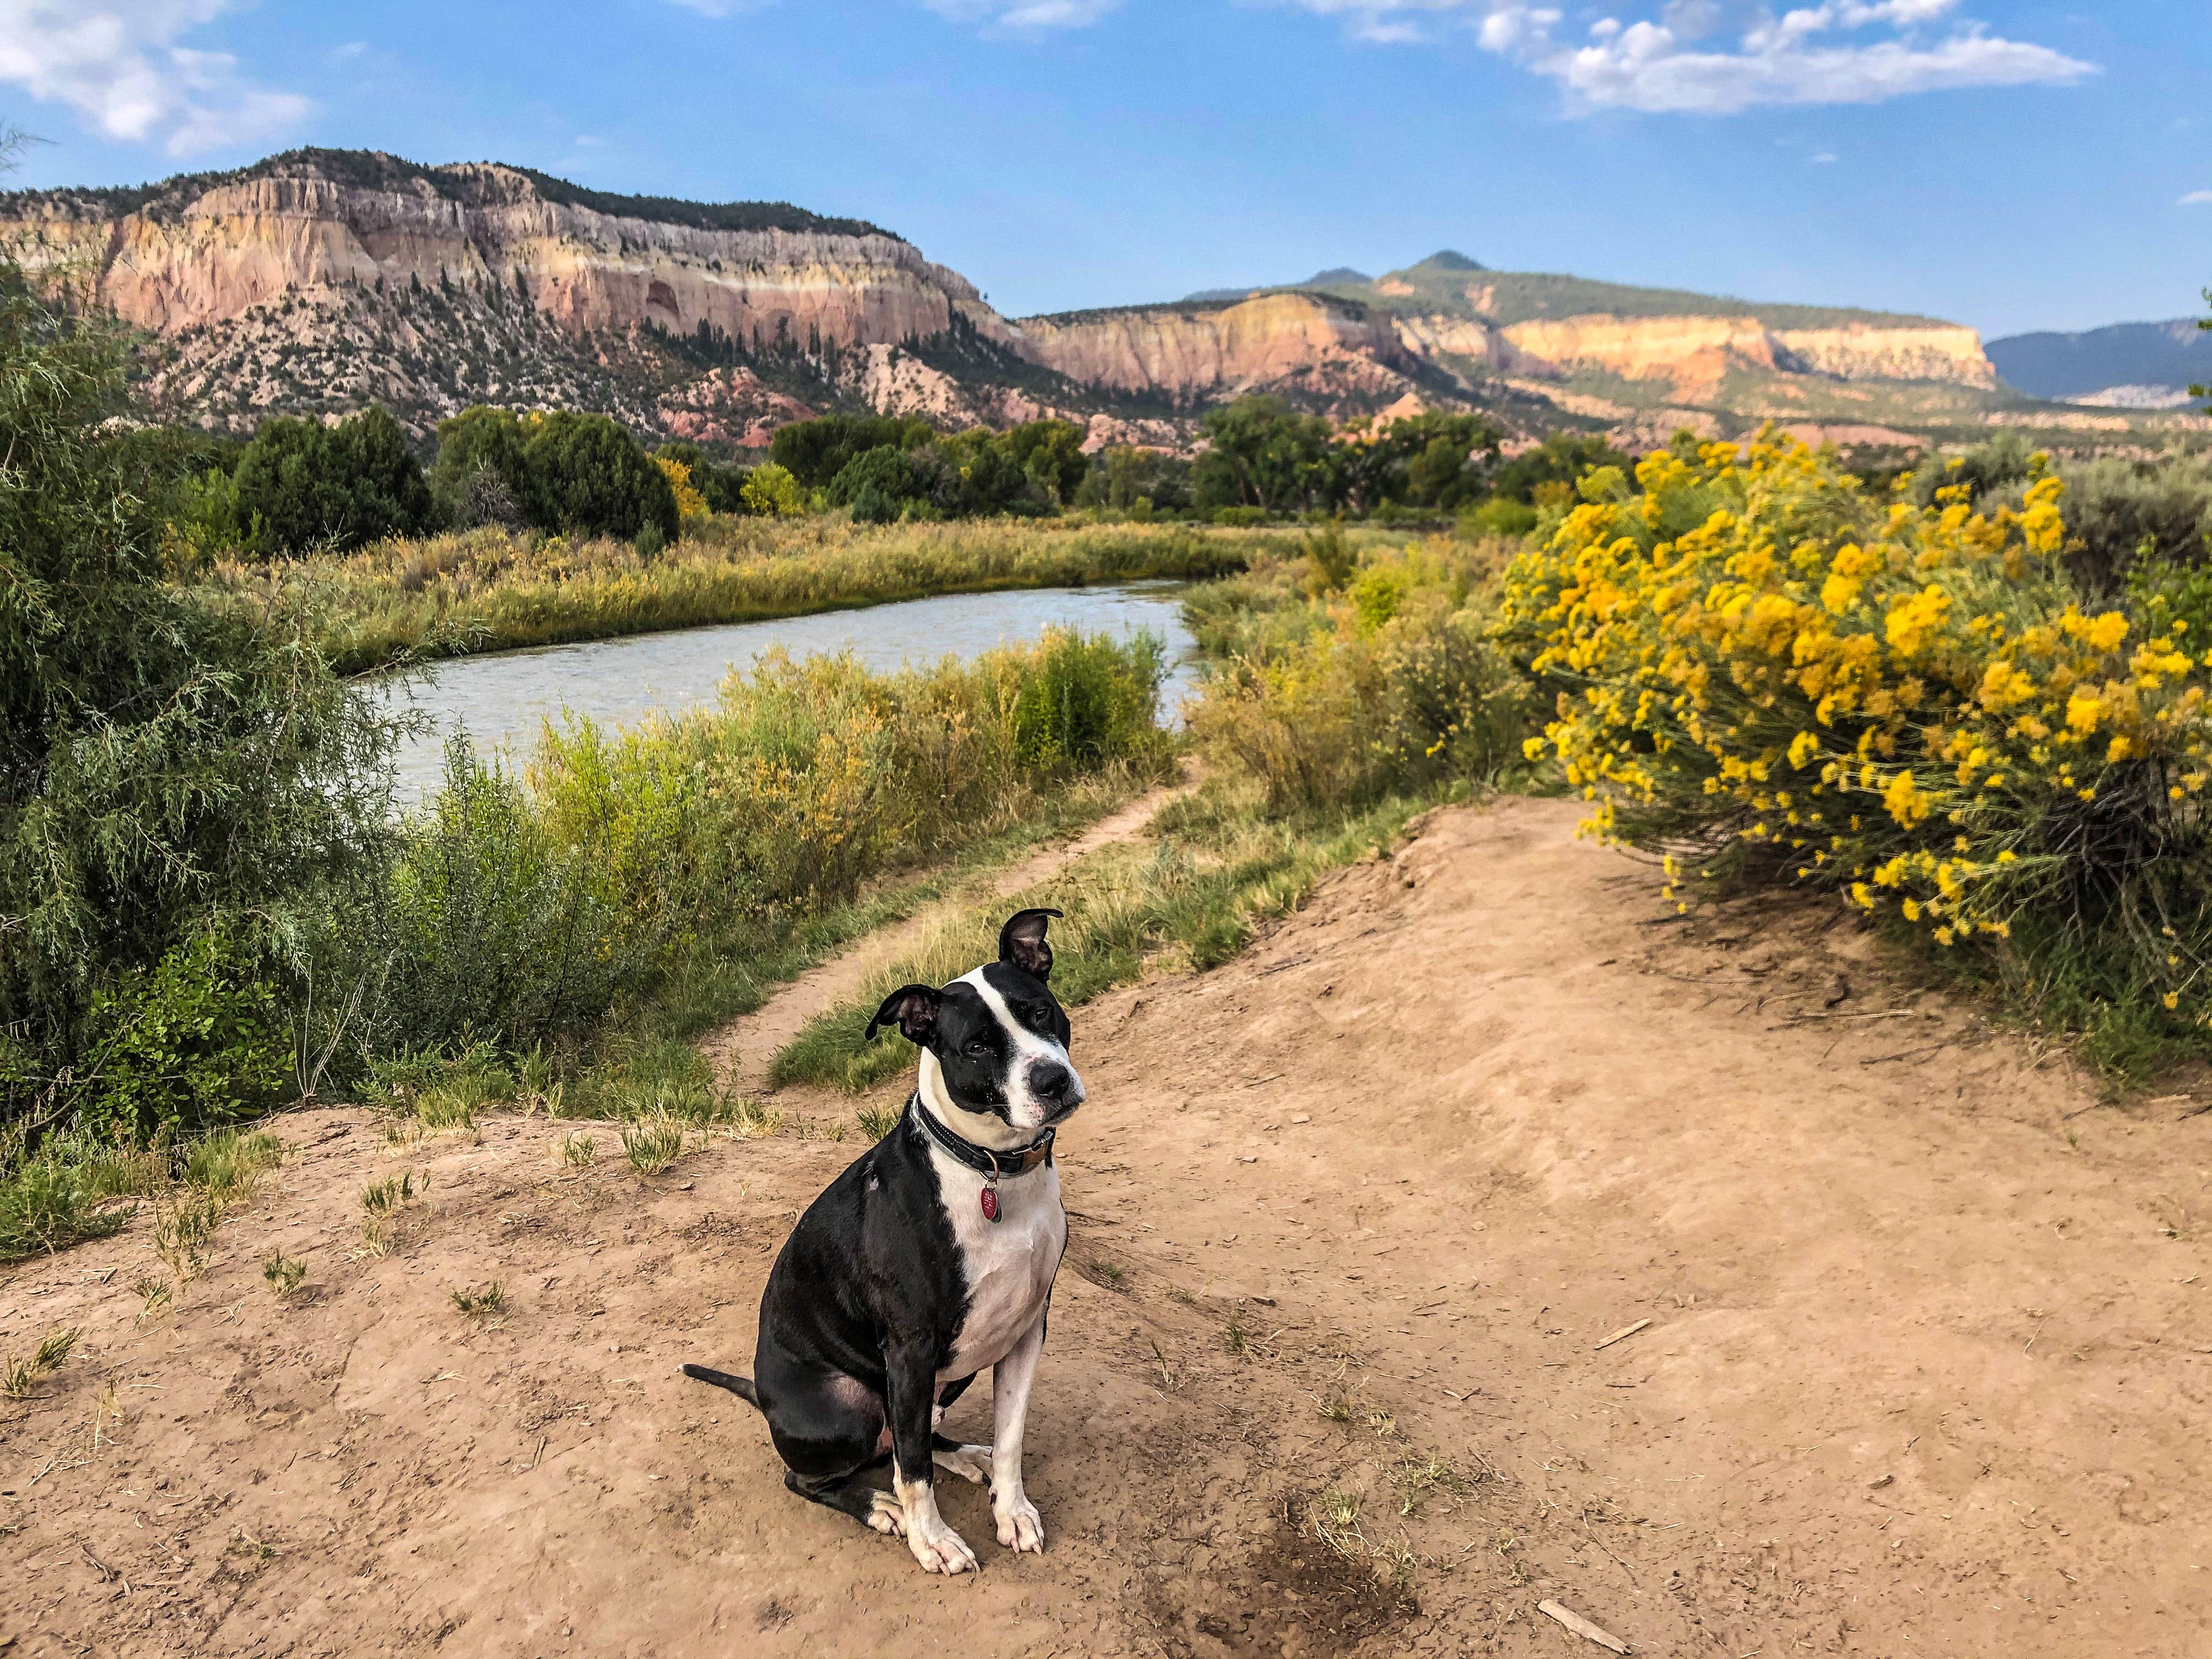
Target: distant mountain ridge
{"x": 317, "y": 280}
{"x": 2139, "y": 361}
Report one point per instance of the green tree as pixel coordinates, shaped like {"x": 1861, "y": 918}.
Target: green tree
{"x": 1050, "y": 454}
{"x": 313, "y": 486}
{"x": 1561, "y": 459}
{"x": 346, "y": 485}
{"x": 815, "y": 451}
{"x": 878, "y": 484}
{"x": 1260, "y": 454}
{"x": 585, "y": 475}
{"x": 173, "y": 780}
{"x": 1123, "y": 475}
{"x": 1431, "y": 459}
{"x": 477, "y": 443}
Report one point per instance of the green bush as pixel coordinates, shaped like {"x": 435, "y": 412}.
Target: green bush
{"x": 878, "y": 484}
{"x": 300, "y": 485}
{"x": 194, "y": 1042}
{"x": 815, "y": 451}
{"x": 168, "y": 773}
{"x": 1560, "y": 459}
{"x": 1240, "y": 518}
{"x": 2124, "y": 514}
{"x": 584, "y": 475}
{"x": 576, "y": 475}
{"x": 520, "y": 915}
{"x": 1339, "y": 700}
{"x": 1498, "y": 516}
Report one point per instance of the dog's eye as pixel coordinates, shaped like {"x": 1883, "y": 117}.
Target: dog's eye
{"x": 979, "y": 1048}
{"x": 1040, "y": 1017}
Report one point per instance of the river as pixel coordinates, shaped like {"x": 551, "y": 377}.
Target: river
{"x": 503, "y": 701}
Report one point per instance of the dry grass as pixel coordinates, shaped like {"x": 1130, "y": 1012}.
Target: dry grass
{"x": 381, "y": 1202}
{"x": 18, "y": 1377}
{"x": 185, "y": 1221}
{"x": 485, "y": 1303}
{"x": 157, "y": 1293}
{"x": 652, "y": 1143}
{"x": 876, "y": 1121}
{"x": 488, "y": 590}
{"x": 284, "y": 1274}
{"x": 577, "y": 1151}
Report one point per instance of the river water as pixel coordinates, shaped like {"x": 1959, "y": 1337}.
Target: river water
{"x": 503, "y": 701}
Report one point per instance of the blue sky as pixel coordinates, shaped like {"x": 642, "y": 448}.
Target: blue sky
{"x": 2011, "y": 165}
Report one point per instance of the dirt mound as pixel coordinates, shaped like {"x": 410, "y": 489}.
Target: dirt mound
{"x": 1354, "y": 1218}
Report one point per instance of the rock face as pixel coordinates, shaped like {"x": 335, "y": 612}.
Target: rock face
{"x": 196, "y": 256}
{"x": 1294, "y": 341}
{"x": 319, "y": 280}
{"x": 1861, "y": 351}
{"x": 1692, "y": 350}
{"x": 1191, "y": 354}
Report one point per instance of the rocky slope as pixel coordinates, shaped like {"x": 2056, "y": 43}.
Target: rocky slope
{"x": 320, "y": 280}
{"x": 2128, "y": 365}
{"x": 1447, "y": 329}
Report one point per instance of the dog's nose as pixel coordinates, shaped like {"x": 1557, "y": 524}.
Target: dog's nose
{"x": 1050, "y": 1080}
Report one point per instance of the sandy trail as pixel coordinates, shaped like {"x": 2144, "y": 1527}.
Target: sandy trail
{"x": 740, "y": 1052}
{"x": 1927, "y": 1353}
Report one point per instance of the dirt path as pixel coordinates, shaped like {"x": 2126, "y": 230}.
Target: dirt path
{"x": 1924, "y": 1372}
{"x": 742, "y": 1050}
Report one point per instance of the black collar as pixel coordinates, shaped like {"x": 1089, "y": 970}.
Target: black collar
{"x": 982, "y": 1159}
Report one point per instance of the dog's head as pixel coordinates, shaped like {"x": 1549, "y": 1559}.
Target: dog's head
{"x": 998, "y": 1036}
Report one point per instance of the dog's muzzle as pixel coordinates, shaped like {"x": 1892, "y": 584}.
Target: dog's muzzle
{"x": 1055, "y": 1087}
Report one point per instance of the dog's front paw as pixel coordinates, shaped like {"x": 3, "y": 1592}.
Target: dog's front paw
{"x": 970, "y": 1463}
{"x": 940, "y": 1549}
{"x": 1021, "y": 1529}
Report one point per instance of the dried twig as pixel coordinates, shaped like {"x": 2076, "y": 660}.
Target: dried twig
{"x": 1582, "y": 1627}
{"x": 1625, "y": 1331}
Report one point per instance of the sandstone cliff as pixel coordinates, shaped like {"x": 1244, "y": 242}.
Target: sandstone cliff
{"x": 1193, "y": 354}
{"x": 318, "y": 281}
{"x": 195, "y": 256}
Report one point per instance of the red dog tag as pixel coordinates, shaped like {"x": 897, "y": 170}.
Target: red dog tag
{"x": 990, "y": 1203}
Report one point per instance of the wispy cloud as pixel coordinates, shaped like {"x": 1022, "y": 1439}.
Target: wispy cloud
{"x": 1825, "y": 158}
{"x": 1719, "y": 57}
{"x": 1024, "y": 16}
{"x": 119, "y": 63}
{"x": 2196, "y": 198}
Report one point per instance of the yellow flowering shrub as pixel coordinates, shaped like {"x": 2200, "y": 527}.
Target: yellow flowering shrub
{"x": 689, "y": 503}
{"x": 1759, "y": 666}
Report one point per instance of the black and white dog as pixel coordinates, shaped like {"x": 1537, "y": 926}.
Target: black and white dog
{"x": 929, "y": 1259}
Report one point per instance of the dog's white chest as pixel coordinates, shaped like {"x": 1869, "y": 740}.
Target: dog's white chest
{"x": 1009, "y": 1262}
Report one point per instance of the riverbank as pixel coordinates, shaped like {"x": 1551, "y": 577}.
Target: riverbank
{"x": 490, "y": 590}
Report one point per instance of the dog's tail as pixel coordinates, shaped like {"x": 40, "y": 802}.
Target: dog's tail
{"x": 740, "y": 1386}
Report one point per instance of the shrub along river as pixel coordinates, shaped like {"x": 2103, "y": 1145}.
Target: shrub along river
{"x": 503, "y": 701}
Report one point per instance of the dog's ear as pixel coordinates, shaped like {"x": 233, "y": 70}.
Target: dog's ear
{"x": 912, "y": 1009}
{"x": 1021, "y": 943}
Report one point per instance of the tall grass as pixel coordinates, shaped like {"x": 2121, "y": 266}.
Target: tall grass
{"x": 1340, "y": 679}
{"x": 487, "y": 589}
{"x": 632, "y": 885}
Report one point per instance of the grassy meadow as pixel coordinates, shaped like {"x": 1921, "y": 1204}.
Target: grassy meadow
{"x": 492, "y": 589}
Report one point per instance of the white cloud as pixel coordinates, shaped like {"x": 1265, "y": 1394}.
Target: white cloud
{"x": 1825, "y": 158}
{"x": 1838, "y": 51}
{"x": 1808, "y": 56}
{"x": 1024, "y": 16}
{"x": 2196, "y": 198}
{"x": 118, "y": 64}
